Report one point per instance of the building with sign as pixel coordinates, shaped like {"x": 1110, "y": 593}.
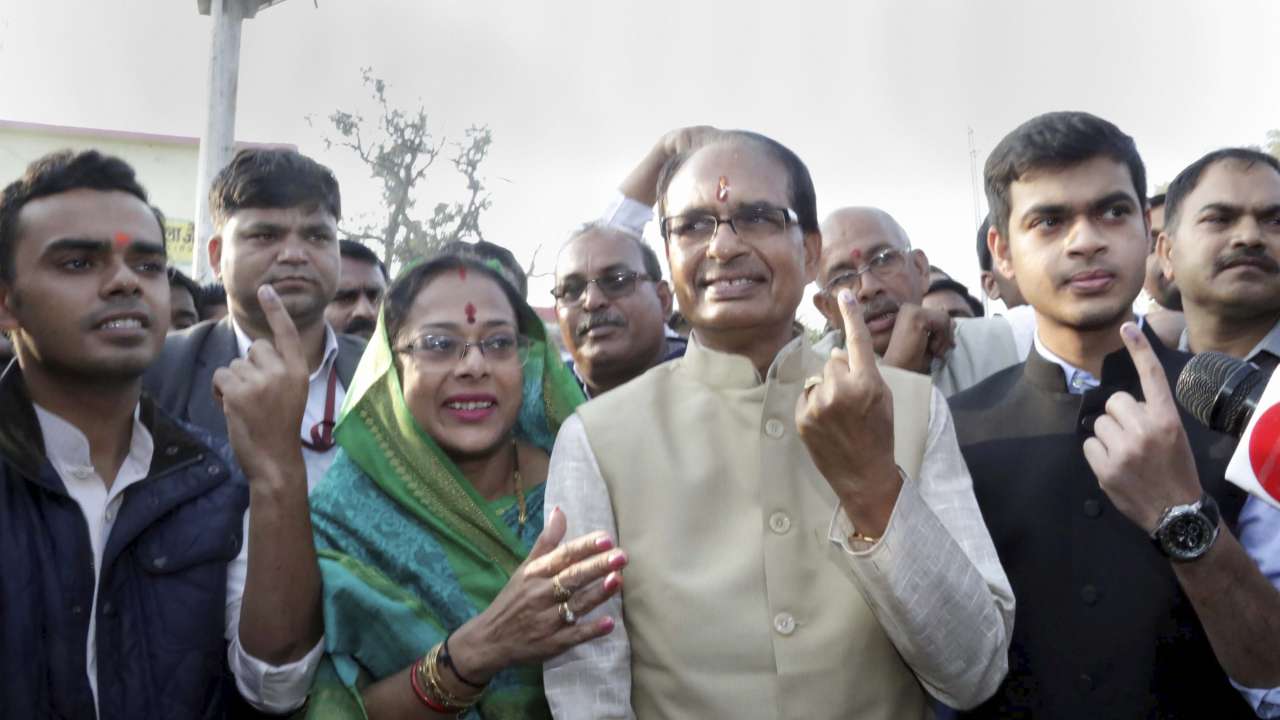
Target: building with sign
{"x": 166, "y": 166}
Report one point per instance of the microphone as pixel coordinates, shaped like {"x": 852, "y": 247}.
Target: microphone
{"x": 1221, "y": 391}
{"x": 1238, "y": 398}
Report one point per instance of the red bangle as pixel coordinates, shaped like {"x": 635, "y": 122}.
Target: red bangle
{"x": 423, "y": 697}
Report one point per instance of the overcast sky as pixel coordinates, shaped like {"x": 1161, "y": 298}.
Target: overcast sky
{"x": 877, "y": 97}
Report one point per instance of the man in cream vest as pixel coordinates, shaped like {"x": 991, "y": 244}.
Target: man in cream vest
{"x": 802, "y": 535}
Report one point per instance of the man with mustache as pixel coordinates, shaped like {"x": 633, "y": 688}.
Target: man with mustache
{"x": 361, "y": 284}
{"x": 276, "y": 215}
{"x": 1220, "y": 242}
{"x": 1106, "y": 503}
{"x": 866, "y": 251}
{"x": 612, "y": 305}
{"x": 139, "y": 558}
{"x": 805, "y": 539}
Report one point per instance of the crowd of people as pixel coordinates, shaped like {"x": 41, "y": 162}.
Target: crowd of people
{"x": 314, "y": 489}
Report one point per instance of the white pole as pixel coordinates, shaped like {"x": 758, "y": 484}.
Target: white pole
{"x": 220, "y": 122}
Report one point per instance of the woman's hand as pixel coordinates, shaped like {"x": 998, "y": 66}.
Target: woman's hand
{"x": 527, "y": 623}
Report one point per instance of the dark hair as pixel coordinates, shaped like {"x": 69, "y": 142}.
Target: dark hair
{"x": 648, "y": 258}
{"x": 272, "y": 178}
{"x": 984, "y": 253}
{"x": 483, "y": 251}
{"x": 958, "y": 288}
{"x": 1189, "y": 178}
{"x": 401, "y": 294}
{"x": 213, "y": 294}
{"x": 56, "y": 173}
{"x": 799, "y": 183}
{"x": 1156, "y": 201}
{"x": 359, "y": 251}
{"x": 1056, "y": 140}
{"x": 179, "y": 279}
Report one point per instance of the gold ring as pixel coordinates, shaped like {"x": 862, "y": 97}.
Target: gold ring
{"x": 558, "y": 591}
{"x": 567, "y": 614}
{"x": 812, "y": 382}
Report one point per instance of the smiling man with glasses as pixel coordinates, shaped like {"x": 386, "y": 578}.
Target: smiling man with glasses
{"x": 612, "y": 305}
{"x": 802, "y": 536}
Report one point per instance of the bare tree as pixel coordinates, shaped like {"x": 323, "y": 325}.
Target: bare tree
{"x": 399, "y": 149}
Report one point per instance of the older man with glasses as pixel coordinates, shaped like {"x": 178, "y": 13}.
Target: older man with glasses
{"x": 802, "y": 534}
{"x": 612, "y": 305}
{"x": 866, "y": 251}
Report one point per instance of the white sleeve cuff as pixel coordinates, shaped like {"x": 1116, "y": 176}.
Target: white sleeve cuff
{"x": 626, "y": 214}
{"x": 275, "y": 689}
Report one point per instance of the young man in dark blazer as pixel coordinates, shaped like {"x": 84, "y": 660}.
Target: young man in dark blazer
{"x": 133, "y": 571}
{"x": 276, "y": 216}
{"x": 1080, "y": 458}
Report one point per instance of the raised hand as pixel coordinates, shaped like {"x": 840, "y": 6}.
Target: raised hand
{"x": 846, "y": 422}
{"x": 264, "y": 395}
{"x": 1139, "y": 450}
{"x": 920, "y": 334}
{"x": 531, "y": 620}
{"x": 641, "y": 184}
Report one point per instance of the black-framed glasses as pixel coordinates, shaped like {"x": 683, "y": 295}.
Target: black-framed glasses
{"x": 445, "y": 349}
{"x": 751, "y": 223}
{"x": 884, "y": 264}
{"x": 614, "y": 285}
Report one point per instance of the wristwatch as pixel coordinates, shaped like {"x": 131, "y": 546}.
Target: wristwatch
{"x": 1186, "y": 532}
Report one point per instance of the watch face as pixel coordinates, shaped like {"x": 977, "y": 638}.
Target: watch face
{"x": 1187, "y": 536}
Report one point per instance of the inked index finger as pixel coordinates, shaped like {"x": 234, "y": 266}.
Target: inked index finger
{"x": 284, "y": 334}
{"x": 857, "y": 338}
{"x": 1155, "y": 386}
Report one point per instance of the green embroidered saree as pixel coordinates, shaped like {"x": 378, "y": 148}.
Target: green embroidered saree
{"x": 408, "y": 550}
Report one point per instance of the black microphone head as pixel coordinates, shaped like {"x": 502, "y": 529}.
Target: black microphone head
{"x": 1217, "y": 388}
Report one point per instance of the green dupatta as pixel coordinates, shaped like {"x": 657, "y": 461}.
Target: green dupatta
{"x": 408, "y": 550}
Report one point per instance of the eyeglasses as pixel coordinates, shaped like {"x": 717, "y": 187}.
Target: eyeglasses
{"x": 751, "y": 224}
{"x": 614, "y": 285}
{"x": 884, "y": 264}
{"x": 449, "y": 349}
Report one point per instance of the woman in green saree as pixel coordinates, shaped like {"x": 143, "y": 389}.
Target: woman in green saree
{"x": 443, "y": 592}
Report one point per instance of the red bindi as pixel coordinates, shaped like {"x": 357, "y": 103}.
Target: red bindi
{"x": 855, "y": 255}
{"x": 462, "y": 272}
{"x": 121, "y": 241}
{"x": 470, "y": 310}
{"x": 722, "y": 193}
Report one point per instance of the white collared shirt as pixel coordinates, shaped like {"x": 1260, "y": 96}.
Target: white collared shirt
{"x": 317, "y": 393}
{"x": 271, "y": 688}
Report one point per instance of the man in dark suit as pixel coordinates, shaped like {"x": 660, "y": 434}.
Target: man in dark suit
{"x": 276, "y": 216}
{"x": 1080, "y": 459}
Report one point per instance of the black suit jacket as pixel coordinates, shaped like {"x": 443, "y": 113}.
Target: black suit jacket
{"x": 1102, "y": 628}
{"x": 181, "y": 379}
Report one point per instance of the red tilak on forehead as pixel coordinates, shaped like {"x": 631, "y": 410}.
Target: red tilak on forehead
{"x": 722, "y": 194}
{"x": 462, "y": 272}
{"x": 121, "y": 240}
{"x": 855, "y": 255}
{"x": 470, "y": 310}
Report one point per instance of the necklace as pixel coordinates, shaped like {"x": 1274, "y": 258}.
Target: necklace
{"x": 515, "y": 478}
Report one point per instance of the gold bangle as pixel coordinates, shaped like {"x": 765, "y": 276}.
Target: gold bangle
{"x": 435, "y": 684}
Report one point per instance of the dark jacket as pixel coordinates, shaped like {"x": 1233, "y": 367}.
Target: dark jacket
{"x": 1102, "y": 627}
{"x": 162, "y": 592}
{"x": 181, "y": 379}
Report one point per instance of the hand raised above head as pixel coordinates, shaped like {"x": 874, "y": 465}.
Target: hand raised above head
{"x": 846, "y": 421}
{"x": 1139, "y": 449}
